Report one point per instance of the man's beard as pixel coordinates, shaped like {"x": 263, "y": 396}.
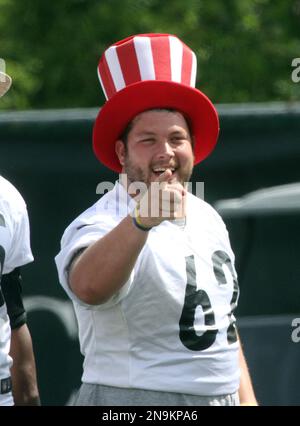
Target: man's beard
{"x": 135, "y": 173}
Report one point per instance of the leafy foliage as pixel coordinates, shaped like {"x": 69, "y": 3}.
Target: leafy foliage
{"x": 244, "y": 47}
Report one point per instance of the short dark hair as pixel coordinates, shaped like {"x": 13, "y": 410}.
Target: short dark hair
{"x": 124, "y": 135}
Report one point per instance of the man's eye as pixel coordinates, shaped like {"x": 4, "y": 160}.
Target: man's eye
{"x": 177, "y": 139}
{"x": 148, "y": 140}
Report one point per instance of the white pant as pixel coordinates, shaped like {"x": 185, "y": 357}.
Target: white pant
{"x": 6, "y": 399}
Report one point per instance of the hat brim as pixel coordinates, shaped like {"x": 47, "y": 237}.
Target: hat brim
{"x": 5, "y": 83}
{"x": 115, "y": 115}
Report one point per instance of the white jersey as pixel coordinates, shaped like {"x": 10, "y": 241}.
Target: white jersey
{"x": 14, "y": 251}
{"x": 171, "y": 327}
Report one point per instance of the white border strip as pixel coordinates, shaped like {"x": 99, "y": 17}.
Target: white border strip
{"x": 194, "y": 70}
{"x": 176, "y": 51}
{"x": 145, "y": 58}
{"x": 101, "y": 82}
{"x": 115, "y": 67}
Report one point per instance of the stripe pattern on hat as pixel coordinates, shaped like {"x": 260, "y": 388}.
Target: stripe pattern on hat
{"x": 146, "y": 57}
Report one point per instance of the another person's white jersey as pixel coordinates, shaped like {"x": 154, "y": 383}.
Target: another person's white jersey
{"x": 14, "y": 251}
{"x": 171, "y": 327}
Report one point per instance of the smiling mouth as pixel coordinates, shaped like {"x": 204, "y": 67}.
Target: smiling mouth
{"x": 159, "y": 170}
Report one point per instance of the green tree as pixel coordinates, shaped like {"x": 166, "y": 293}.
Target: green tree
{"x": 244, "y": 47}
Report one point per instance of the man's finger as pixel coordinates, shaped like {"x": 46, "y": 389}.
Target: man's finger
{"x": 165, "y": 176}
{"x": 177, "y": 186}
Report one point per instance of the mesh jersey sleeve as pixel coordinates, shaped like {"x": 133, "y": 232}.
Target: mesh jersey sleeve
{"x": 81, "y": 235}
{"x": 14, "y": 211}
{"x": 20, "y": 251}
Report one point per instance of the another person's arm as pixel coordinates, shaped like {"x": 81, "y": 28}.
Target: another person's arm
{"x": 23, "y": 371}
{"x": 246, "y": 392}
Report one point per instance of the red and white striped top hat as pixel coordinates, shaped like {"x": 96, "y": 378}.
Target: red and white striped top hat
{"x": 5, "y": 83}
{"x": 150, "y": 71}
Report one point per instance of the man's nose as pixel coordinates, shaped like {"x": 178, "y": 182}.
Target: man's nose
{"x": 164, "y": 150}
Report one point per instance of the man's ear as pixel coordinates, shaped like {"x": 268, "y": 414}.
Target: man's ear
{"x": 120, "y": 151}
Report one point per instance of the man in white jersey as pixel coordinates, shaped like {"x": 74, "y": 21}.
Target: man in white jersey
{"x": 18, "y": 384}
{"x": 149, "y": 267}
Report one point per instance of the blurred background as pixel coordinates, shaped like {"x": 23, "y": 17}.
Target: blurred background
{"x": 245, "y": 51}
